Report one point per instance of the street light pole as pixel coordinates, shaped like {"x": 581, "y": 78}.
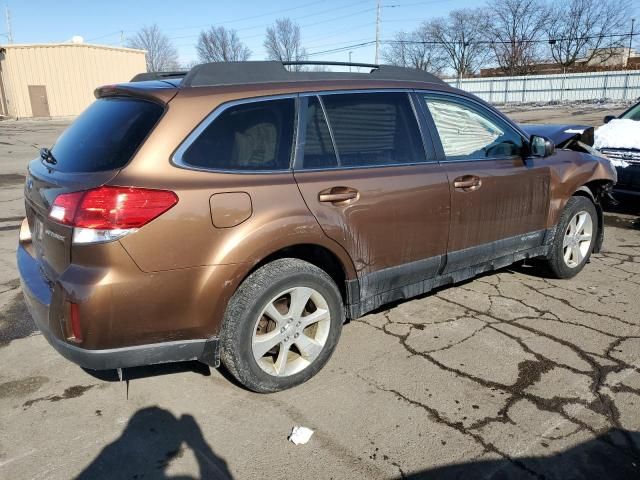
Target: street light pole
{"x": 633, "y": 21}
{"x": 377, "y": 32}
{"x": 8, "y": 18}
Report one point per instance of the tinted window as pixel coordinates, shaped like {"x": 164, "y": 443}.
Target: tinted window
{"x": 374, "y": 129}
{"x": 106, "y": 135}
{"x": 468, "y": 134}
{"x": 251, "y": 136}
{"x": 318, "y": 149}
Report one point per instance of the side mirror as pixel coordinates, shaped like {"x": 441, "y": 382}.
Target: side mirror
{"x": 608, "y": 118}
{"x": 541, "y": 147}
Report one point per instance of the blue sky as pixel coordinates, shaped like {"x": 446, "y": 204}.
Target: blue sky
{"x": 325, "y": 24}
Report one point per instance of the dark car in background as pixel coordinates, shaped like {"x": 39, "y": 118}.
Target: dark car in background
{"x": 619, "y": 140}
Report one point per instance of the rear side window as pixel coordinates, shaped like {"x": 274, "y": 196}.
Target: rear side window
{"x": 470, "y": 134}
{"x": 318, "y": 149}
{"x": 372, "y": 129}
{"x": 106, "y": 135}
{"x": 250, "y": 136}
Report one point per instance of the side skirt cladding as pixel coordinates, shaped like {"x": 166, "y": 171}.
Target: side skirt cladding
{"x": 416, "y": 278}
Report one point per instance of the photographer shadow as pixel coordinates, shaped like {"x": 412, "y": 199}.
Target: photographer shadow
{"x": 154, "y": 438}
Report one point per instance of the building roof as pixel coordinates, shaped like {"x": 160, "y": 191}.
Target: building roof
{"x": 8, "y": 46}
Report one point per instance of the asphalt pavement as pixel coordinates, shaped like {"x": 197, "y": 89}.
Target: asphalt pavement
{"x": 510, "y": 375}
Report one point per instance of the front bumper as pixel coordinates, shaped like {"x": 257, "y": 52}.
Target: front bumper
{"x": 43, "y": 303}
{"x": 628, "y": 180}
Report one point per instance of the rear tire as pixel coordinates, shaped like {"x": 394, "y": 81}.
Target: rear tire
{"x": 574, "y": 238}
{"x": 281, "y": 326}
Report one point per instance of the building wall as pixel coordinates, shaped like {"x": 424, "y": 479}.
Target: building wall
{"x": 70, "y": 72}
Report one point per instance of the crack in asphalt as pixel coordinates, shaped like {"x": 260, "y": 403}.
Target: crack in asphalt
{"x": 530, "y": 372}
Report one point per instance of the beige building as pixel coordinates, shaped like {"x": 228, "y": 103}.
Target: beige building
{"x": 58, "y": 79}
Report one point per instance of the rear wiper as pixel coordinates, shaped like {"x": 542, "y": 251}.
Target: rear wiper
{"x": 47, "y": 156}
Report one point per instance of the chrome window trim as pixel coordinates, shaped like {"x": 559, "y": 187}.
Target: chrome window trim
{"x": 177, "y": 156}
{"x": 319, "y": 93}
{"x": 384, "y": 165}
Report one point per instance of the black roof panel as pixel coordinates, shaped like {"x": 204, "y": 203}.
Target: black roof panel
{"x": 238, "y": 73}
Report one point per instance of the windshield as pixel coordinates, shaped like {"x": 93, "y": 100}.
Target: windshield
{"x": 106, "y": 135}
{"x": 633, "y": 113}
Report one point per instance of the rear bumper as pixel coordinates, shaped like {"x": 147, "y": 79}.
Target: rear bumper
{"x": 40, "y": 298}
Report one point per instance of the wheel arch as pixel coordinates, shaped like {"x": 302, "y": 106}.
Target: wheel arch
{"x": 595, "y": 191}
{"x": 338, "y": 266}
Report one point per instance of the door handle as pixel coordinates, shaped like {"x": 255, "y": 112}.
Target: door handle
{"x": 467, "y": 183}
{"x": 338, "y": 195}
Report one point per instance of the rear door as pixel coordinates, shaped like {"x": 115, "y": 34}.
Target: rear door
{"x": 499, "y": 196}
{"x": 365, "y": 176}
{"x": 88, "y": 154}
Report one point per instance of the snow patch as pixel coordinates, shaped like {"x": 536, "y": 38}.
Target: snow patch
{"x": 618, "y": 133}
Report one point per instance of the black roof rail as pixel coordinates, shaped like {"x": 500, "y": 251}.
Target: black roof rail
{"x": 238, "y": 73}
{"x": 146, "y": 76}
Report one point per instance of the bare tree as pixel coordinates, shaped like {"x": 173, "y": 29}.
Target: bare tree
{"x": 417, "y": 50}
{"x": 283, "y": 42}
{"x": 587, "y": 30}
{"x": 219, "y": 44}
{"x": 461, "y": 36}
{"x": 513, "y": 32}
{"x": 161, "y": 54}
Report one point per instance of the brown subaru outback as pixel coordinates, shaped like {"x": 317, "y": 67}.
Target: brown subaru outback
{"x": 243, "y": 212}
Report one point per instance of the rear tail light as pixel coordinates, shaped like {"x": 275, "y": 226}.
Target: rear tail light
{"x": 108, "y": 213}
{"x": 74, "y": 314}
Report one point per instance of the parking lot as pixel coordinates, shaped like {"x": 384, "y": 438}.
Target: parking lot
{"x": 510, "y": 375}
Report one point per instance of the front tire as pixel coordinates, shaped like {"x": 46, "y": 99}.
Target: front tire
{"x": 574, "y": 238}
{"x": 281, "y": 326}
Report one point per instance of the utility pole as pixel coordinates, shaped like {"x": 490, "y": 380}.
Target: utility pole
{"x": 633, "y": 21}
{"x": 377, "y": 32}
{"x": 8, "y": 17}
{"x": 122, "y": 38}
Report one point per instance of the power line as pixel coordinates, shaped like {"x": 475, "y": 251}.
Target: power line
{"x": 487, "y": 42}
{"x": 550, "y": 41}
{"x": 343, "y": 49}
{"x": 265, "y": 25}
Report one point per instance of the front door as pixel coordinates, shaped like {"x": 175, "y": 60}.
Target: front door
{"x": 39, "y": 102}
{"x": 499, "y": 199}
{"x": 365, "y": 177}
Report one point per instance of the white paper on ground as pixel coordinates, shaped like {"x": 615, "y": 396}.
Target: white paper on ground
{"x": 300, "y": 435}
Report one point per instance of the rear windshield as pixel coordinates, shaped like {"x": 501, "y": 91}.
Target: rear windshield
{"x": 106, "y": 135}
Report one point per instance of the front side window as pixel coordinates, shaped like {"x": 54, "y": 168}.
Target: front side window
{"x": 469, "y": 134}
{"x": 250, "y": 136}
{"x": 374, "y": 129}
